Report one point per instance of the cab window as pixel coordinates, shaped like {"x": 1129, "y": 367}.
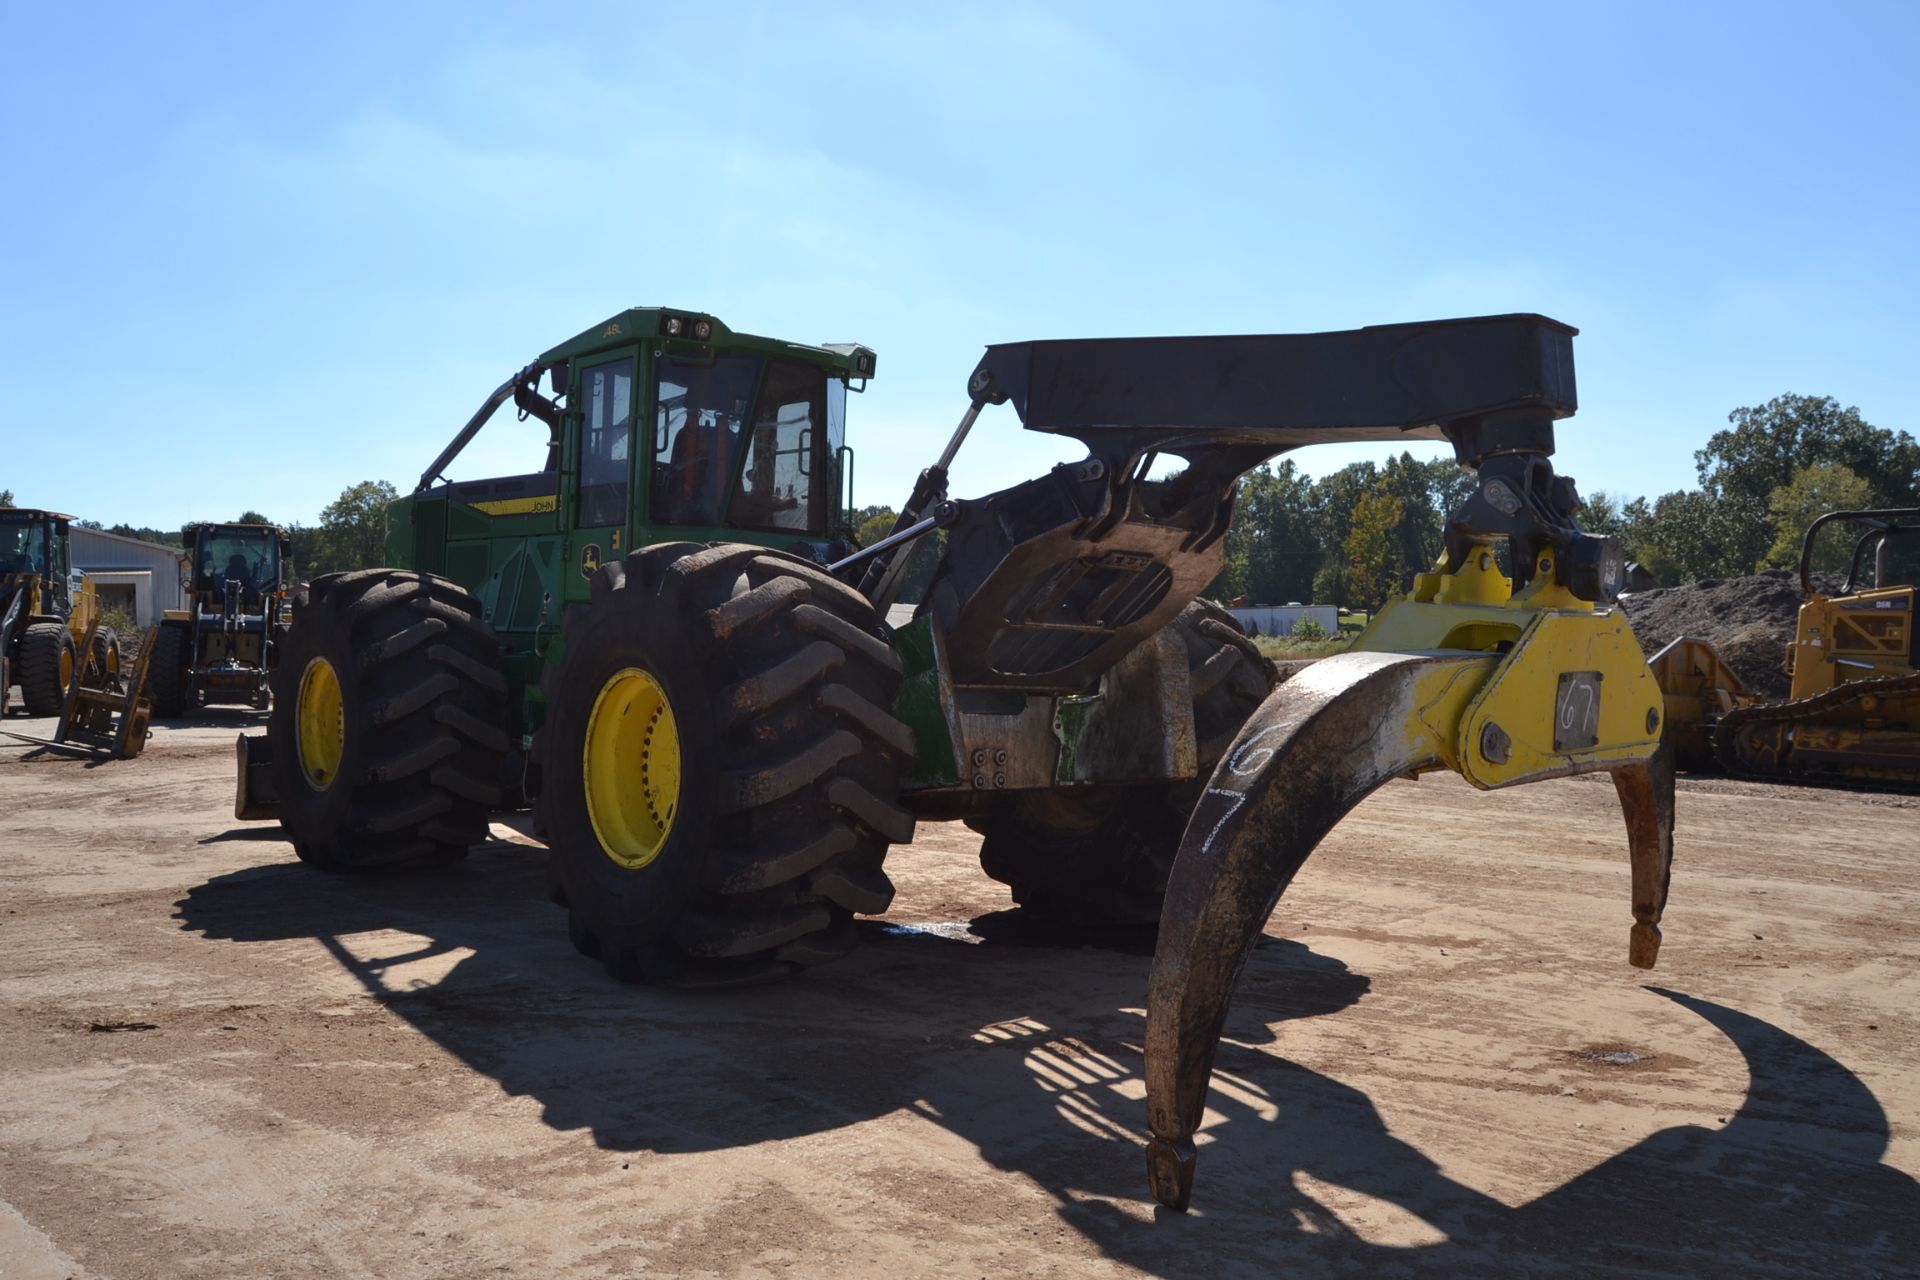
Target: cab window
{"x": 699, "y": 416}
{"x": 606, "y": 442}
{"x": 248, "y": 559}
{"x": 23, "y": 548}
{"x": 781, "y": 484}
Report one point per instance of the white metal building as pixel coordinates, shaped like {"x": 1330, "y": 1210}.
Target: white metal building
{"x": 141, "y": 577}
{"x": 1281, "y": 619}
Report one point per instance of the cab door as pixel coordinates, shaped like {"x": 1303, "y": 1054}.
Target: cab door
{"x": 603, "y": 447}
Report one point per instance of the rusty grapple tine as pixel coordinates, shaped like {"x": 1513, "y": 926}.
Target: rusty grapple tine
{"x": 1312, "y": 751}
{"x": 1646, "y": 800}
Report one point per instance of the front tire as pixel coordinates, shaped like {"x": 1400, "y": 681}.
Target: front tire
{"x": 46, "y": 667}
{"x": 719, "y": 768}
{"x": 389, "y": 721}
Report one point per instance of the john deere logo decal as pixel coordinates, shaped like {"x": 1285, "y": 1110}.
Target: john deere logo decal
{"x": 589, "y": 559}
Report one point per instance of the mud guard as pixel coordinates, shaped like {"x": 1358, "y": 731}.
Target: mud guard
{"x": 1318, "y": 746}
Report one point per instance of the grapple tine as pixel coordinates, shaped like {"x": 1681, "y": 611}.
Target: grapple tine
{"x": 1646, "y": 799}
{"x": 1317, "y": 747}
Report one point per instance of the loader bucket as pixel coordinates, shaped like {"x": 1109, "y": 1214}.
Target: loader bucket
{"x": 1319, "y": 745}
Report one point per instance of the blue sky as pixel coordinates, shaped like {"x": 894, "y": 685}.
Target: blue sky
{"x": 257, "y": 253}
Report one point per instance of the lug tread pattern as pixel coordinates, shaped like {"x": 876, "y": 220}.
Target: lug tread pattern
{"x": 818, "y": 622}
{"x": 743, "y": 789}
{"x": 41, "y": 646}
{"x": 730, "y": 935}
{"x": 167, "y": 671}
{"x": 759, "y": 694}
{"x": 742, "y": 871}
{"x": 821, "y": 948}
{"x": 470, "y": 669}
{"x": 877, "y": 722}
{"x": 429, "y": 694}
{"x": 860, "y": 889}
{"x": 889, "y": 821}
{"x": 410, "y": 700}
{"x": 750, "y": 607}
{"x": 792, "y": 656}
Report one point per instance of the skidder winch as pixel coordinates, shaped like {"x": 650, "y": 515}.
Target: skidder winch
{"x": 724, "y": 711}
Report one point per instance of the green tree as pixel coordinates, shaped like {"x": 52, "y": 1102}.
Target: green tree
{"x": 1601, "y": 512}
{"x": 145, "y": 533}
{"x": 875, "y": 524}
{"x": 6, "y": 497}
{"x": 1690, "y": 535}
{"x": 1372, "y": 558}
{"x": 1814, "y": 491}
{"x": 1333, "y": 584}
{"x": 353, "y": 529}
{"x": 1271, "y": 553}
{"x": 1768, "y": 444}
{"x": 252, "y": 517}
{"x": 306, "y": 548}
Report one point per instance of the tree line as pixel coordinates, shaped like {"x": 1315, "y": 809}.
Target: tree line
{"x": 1357, "y": 535}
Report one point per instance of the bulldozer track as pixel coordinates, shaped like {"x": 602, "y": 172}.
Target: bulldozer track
{"x": 1800, "y": 711}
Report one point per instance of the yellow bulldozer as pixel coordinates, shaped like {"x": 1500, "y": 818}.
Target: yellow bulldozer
{"x": 1852, "y": 716}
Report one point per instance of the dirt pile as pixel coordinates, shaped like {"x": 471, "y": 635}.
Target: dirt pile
{"x": 1749, "y": 620}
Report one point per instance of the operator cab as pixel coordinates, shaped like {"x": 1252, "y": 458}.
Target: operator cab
{"x": 23, "y": 542}
{"x": 250, "y": 556}
{"x": 662, "y": 418}
{"x": 35, "y": 542}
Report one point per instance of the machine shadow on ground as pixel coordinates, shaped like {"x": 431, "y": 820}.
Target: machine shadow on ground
{"x": 1032, "y": 1055}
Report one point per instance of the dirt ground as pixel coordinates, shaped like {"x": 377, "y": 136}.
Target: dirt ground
{"x": 215, "y": 1063}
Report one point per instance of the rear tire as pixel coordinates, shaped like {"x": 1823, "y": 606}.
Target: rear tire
{"x": 167, "y": 679}
{"x": 1098, "y": 856}
{"x": 389, "y": 721}
{"x": 776, "y": 681}
{"x": 47, "y": 667}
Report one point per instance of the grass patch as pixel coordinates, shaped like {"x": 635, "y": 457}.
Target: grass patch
{"x": 1291, "y": 648}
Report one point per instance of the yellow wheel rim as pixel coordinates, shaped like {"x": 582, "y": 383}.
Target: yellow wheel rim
{"x": 322, "y": 721}
{"x": 113, "y": 659}
{"x": 66, "y": 668}
{"x": 631, "y": 762}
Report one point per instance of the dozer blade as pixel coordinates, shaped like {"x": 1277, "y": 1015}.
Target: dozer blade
{"x": 1318, "y": 746}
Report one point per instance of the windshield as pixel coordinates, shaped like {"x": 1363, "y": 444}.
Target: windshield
{"x": 696, "y": 436}
{"x": 251, "y": 559}
{"x": 23, "y": 548}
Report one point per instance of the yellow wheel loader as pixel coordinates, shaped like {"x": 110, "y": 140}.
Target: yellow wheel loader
{"x": 54, "y": 645}
{"x": 46, "y": 610}
{"x": 1852, "y": 716}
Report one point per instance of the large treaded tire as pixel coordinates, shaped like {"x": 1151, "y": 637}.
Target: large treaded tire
{"x": 779, "y": 679}
{"x": 46, "y": 654}
{"x": 1098, "y": 856}
{"x": 423, "y": 713}
{"x": 167, "y": 672}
